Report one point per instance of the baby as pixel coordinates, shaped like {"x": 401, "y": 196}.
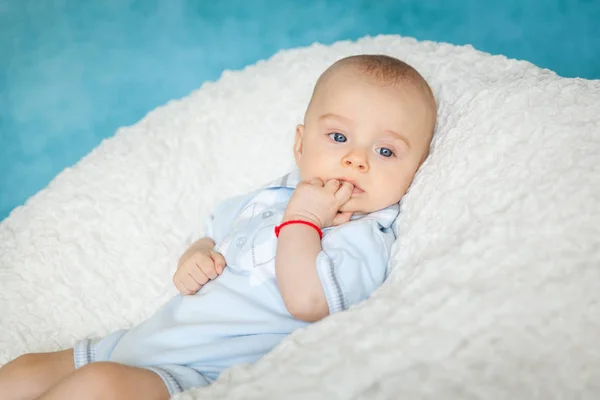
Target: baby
{"x": 309, "y": 244}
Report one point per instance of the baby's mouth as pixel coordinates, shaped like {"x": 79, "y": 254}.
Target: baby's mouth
{"x": 356, "y": 190}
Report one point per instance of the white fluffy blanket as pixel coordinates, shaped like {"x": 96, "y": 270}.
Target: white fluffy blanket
{"x": 495, "y": 291}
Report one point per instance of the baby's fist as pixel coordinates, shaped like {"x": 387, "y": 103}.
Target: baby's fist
{"x": 320, "y": 202}
{"x": 196, "y": 268}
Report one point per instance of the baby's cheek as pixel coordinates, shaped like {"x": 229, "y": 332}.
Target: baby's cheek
{"x": 393, "y": 194}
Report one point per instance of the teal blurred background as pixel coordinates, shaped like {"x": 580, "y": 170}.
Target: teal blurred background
{"x": 72, "y": 72}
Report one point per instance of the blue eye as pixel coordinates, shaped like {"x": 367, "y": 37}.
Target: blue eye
{"x": 338, "y": 137}
{"x": 384, "y": 151}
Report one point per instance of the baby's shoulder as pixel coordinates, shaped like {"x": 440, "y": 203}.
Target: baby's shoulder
{"x": 264, "y": 201}
{"x": 236, "y": 202}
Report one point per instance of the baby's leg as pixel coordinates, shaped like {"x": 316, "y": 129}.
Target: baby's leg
{"x": 108, "y": 380}
{"x": 30, "y": 375}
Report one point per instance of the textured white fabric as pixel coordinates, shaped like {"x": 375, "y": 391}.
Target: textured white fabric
{"x": 495, "y": 288}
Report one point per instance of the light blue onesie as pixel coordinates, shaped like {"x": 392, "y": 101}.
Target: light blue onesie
{"x": 240, "y": 316}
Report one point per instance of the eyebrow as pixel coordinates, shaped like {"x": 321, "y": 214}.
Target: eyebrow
{"x": 335, "y": 116}
{"x": 400, "y": 137}
{"x": 396, "y": 135}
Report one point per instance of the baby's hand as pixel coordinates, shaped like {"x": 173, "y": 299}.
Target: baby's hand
{"x": 320, "y": 202}
{"x": 196, "y": 267}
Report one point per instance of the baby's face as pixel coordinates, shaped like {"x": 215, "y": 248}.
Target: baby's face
{"x": 372, "y": 136}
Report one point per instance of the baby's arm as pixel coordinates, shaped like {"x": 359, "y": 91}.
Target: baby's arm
{"x": 297, "y": 276}
{"x": 299, "y": 245}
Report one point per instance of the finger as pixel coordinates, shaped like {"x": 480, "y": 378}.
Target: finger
{"x": 342, "y": 218}
{"x": 188, "y": 287}
{"x": 344, "y": 193}
{"x": 316, "y": 182}
{"x": 178, "y": 282}
{"x": 208, "y": 267}
{"x": 219, "y": 261}
{"x": 180, "y": 288}
{"x": 191, "y": 284}
{"x": 198, "y": 275}
{"x": 332, "y": 185}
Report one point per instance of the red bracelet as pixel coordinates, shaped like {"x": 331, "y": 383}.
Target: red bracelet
{"x": 298, "y": 221}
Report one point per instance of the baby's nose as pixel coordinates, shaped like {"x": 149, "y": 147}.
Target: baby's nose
{"x": 357, "y": 161}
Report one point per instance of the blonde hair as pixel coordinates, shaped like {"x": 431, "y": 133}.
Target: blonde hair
{"x": 384, "y": 70}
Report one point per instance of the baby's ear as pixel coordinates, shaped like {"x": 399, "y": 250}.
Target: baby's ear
{"x": 298, "y": 142}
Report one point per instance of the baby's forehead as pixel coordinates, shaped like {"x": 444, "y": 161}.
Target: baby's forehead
{"x": 346, "y": 80}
